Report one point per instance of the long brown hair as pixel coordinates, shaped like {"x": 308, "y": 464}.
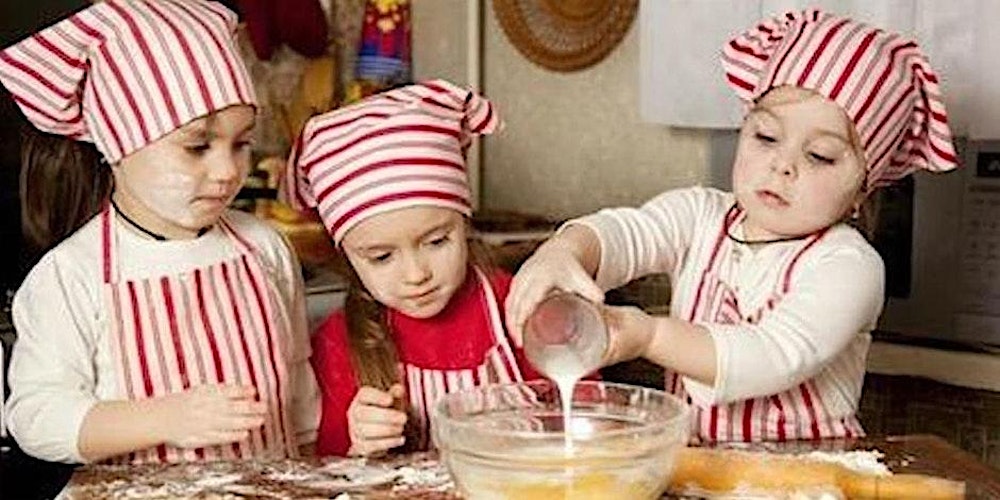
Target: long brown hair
{"x": 63, "y": 184}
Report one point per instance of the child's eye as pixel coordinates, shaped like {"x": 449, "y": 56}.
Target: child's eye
{"x": 762, "y": 137}
{"x": 818, "y": 158}
{"x": 197, "y": 149}
{"x": 438, "y": 241}
{"x": 243, "y": 145}
{"x": 380, "y": 258}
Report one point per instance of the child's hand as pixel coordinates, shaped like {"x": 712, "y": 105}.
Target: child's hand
{"x": 373, "y": 423}
{"x": 211, "y": 414}
{"x": 552, "y": 267}
{"x": 630, "y": 331}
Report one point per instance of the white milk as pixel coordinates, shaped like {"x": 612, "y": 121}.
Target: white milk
{"x": 565, "y": 367}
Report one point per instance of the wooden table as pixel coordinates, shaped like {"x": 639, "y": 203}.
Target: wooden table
{"x": 912, "y": 454}
{"x": 414, "y": 476}
{"x": 932, "y": 455}
{"x": 921, "y": 454}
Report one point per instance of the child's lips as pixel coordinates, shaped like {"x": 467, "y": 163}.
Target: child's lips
{"x": 771, "y": 199}
{"x": 213, "y": 200}
{"x": 423, "y": 296}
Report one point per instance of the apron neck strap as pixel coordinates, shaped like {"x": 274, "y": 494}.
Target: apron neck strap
{"x": 107, "y": 243}
{"x": 496, "y": 324}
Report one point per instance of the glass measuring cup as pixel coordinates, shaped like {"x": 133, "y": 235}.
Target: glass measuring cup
{"x": 565, "y": 337}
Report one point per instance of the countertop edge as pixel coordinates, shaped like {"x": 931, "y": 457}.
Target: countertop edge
{"x": 965, "y": 369}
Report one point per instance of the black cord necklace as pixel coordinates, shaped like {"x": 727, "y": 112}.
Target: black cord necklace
{"x": 761, "y": 242}
{"x": 729, "y": 234}
{"x": 155, "y": 236}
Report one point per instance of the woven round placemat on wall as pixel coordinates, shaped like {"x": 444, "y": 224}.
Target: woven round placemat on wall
{"x": 565, "y": 35}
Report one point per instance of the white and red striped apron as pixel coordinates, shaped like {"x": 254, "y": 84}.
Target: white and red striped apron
{"x": 798, "y": 413}
{"x": 219, "y": 324}
{"x": 425, "y": 386}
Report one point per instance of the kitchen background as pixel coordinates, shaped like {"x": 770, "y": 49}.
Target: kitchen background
{"x": 604, "y": 135}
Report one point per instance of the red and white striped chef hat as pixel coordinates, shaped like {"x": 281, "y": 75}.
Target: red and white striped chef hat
{"x": 398, "y": 149}
{"x": 882, "y": 80}
{"x": 124, "y": 73}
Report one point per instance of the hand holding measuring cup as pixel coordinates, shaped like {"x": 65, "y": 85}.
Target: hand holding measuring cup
{"x": 565, "y": 337}
{"x": 555, "y": 266}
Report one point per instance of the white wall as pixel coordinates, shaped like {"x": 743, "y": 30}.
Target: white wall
{"x": 440, "y": 39}
{"x": 446, "y": 44}
{"x": 573, "y": 142}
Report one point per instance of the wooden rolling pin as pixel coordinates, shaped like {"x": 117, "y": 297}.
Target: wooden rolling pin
{"x": 726, "y": 471}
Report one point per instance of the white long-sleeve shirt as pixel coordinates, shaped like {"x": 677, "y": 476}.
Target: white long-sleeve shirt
{"x": 817, "y": 334}
{"x": 62, "y": 362}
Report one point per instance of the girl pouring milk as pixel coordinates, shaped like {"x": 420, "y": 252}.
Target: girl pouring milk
{"x": 774, "y": 293}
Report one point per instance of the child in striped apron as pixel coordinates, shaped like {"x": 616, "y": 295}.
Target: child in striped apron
{"x": 159, "y": 326}
{"x": 774, "y": 293}
{"x": 423, "y": 316}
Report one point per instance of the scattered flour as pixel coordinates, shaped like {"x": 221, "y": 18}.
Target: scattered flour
{"x": 426, "y": 474}
{"x": 863, "y": 461}
{"x": 285, "y": 479}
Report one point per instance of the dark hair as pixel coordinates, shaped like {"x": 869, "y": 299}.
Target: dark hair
{"x": 374, "y": 357}
{"x": 865, "y": 218}
{"x": 63, "y": 185}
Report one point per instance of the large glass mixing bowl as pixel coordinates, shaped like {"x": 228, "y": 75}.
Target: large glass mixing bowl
{"x": 508, "y": 441}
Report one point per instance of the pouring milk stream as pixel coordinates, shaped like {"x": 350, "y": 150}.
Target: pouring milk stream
{"x": 565, "y": 339}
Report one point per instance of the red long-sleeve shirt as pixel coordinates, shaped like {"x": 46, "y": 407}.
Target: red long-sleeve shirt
{"x": 456, "y": 344}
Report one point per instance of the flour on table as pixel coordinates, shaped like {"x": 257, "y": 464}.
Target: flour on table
{"x": 862, "y": 461}
{"x": 424, "y": 474}
{"x": 418, "y": 476}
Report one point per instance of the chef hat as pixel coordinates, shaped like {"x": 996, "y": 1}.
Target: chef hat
{"x": 124, "y": 73}
{"x": 401, "y": 148}
{"x": 881, "y": 79}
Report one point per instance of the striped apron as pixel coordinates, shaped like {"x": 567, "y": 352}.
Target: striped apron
{"x": 425, "y": 386}
{"x": 798, "y": 413}
{"x": 220, "y": 324}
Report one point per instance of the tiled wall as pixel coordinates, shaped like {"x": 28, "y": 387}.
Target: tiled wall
{"x": 651, "y": 293}
{"x": 967, "y": 418}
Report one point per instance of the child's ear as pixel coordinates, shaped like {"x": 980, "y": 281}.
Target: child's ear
{"x": 858, "y": 204}
{"x": 864, "y": 192}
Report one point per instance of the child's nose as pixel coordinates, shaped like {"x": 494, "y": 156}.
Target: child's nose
{"x": 417, "y": 269}
{"x": 783, "y": 164}
{"x": 226, "y": 169}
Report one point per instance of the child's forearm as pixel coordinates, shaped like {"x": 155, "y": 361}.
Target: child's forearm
{"x": 581, "y": 242}
{"x": 683, "y": 347}
{"x": 114, "y": 428}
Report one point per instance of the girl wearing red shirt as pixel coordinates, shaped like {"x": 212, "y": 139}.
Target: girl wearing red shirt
{"x": 423, "y": 315}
